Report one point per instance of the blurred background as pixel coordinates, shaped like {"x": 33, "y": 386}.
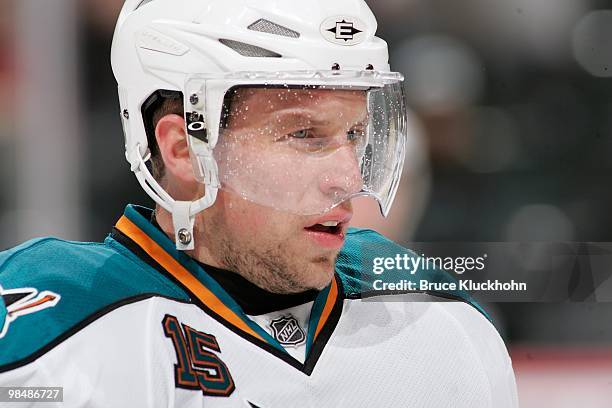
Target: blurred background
{"x": 512, "y": 141}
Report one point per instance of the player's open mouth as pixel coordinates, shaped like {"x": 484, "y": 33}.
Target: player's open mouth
{"x": 329, "y": 231}
{"x": 329, "y": 227}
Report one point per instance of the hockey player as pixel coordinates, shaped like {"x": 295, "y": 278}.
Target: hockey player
{"x": 252, "y": 124}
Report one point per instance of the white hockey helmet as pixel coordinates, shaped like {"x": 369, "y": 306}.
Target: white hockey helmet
{"x": 206, "y": 49}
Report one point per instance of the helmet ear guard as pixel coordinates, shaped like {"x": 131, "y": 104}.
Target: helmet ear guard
{"x": 183, "y": 212}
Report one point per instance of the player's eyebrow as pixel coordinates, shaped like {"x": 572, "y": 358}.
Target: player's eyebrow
{"x": 294, "y": 116}
{"x": 290, "y": 117}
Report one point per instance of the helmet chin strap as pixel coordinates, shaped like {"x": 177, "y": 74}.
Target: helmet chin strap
{"x": 183, "y": 212}
{"x": 183, "y": 223}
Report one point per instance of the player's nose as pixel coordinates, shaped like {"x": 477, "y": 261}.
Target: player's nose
{"x": 342, "y": 177}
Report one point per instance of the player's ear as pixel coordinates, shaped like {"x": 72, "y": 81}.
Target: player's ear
{"x": 172, "y": 141}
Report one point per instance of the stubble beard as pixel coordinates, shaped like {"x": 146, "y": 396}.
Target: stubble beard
{"x": 273, "y": 265}
{"x": 273, "y": 269}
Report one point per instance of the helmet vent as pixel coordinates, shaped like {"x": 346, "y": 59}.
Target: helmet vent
{"x": 248, "y": 50}
{"x": 266, "y": 26}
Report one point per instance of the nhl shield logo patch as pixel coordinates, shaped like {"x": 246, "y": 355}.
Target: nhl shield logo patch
{"x": 287, "y": 331}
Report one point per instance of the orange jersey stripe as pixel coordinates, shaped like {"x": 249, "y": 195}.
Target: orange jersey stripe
{"x": 182, "y": 275}
{"x": 329, "y": 305}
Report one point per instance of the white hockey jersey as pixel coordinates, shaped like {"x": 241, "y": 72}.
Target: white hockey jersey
{"x": 132, "y": 322}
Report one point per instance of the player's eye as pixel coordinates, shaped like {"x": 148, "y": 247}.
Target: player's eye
{"x": 301, "y": 134}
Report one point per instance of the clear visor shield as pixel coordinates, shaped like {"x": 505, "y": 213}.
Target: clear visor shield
{"x": 304, "y": 148}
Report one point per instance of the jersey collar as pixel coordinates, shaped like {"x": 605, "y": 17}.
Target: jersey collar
{"x": 135, "y": 231}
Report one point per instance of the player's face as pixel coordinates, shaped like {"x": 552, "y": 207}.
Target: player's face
{"x": 296, "y": 150}
{"x": 277, "y": 249}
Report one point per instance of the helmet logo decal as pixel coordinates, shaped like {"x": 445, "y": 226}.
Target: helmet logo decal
{"x": 343, "y": 30}
{"x": 196, "y": 126}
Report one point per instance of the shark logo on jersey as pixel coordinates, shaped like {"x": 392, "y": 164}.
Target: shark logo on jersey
{"x": 23, "y": 301}
{"x": 287, "y": 331}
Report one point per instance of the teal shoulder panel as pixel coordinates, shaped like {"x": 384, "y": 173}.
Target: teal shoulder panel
{"x": 49, "y": 287}
{"x": 360, "y": 265}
